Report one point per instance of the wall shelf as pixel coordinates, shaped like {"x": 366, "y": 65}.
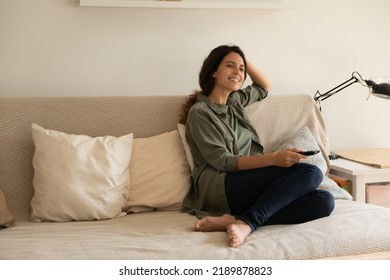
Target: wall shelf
{"x": 189, "y": 4}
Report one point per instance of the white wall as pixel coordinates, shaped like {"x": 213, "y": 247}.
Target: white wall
{"x": 56, "y": 48}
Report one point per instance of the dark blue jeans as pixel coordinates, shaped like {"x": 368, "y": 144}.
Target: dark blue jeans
{"x": 278, "y": 195}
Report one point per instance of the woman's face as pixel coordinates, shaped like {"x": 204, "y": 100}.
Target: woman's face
{"x": 230, "y": 74}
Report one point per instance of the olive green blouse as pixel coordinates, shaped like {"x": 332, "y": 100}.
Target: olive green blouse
{"x": 215, "y": 148}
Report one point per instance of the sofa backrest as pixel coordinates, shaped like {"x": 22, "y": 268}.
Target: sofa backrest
{"x": 275, "y": 118}
{"x": 94, "y": 116}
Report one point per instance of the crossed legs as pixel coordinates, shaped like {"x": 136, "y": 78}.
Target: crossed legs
{"x": 269, "y": 196}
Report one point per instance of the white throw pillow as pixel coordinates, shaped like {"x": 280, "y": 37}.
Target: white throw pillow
{"x": 77, "y": 177}
{"x": 303, "y": 140}
{"x": 160, "y": 176}
{"x": 187, "y": 150}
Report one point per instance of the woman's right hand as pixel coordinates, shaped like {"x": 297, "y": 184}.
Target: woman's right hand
{"x": 287, "y": 157}
{"x": 284, "y": 158}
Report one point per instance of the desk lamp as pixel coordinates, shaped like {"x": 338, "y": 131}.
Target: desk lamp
{"x": 381, "y": 90}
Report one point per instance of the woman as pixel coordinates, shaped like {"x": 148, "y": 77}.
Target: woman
{"x": 236, "y": 188}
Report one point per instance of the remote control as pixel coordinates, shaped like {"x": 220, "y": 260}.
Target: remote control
{"x": 309, "y": 153}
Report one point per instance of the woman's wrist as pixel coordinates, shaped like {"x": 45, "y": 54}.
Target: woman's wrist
{"x": 253, "y": 162}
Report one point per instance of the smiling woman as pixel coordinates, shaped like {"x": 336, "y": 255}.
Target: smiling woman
{"x": 236, "y": 187}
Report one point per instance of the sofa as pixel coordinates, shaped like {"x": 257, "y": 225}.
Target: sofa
{"x": 104, "y": 177}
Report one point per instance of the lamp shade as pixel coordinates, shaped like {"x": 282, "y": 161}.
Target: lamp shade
{"x": 381, "y": 90}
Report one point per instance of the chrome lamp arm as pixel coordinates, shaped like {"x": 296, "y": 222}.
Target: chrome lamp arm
{"x": 380, "y": 90}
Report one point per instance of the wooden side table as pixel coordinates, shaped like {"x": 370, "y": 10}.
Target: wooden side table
{"x": 359, "y": 174}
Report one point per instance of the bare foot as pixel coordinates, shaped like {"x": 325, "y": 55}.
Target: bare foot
{"x": 209, "y": 223}
{"x": 238, "y": 232}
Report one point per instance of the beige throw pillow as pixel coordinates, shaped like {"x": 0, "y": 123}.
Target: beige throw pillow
{"x": 77, "y": 177}
{"x": 159, "y": 172}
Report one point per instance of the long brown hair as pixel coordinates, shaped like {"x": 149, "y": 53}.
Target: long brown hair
{"x": 206, "y": 79}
